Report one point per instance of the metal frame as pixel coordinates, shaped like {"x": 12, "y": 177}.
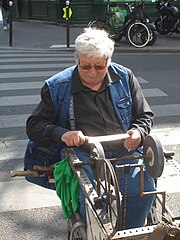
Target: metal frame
{"x": 99, "y": 225}
{"x": 101, "y": 228}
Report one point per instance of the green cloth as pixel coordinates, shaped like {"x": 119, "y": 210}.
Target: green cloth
{"x": 67, "y": 187}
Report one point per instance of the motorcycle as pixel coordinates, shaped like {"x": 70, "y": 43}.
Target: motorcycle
{"x": 136, "y": 27}
{"x": 168, "y": 20}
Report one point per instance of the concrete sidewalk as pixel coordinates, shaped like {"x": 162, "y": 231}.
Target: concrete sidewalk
{"x": 40, "y": 35}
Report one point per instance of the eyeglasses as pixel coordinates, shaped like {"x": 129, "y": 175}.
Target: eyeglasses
{"x": 96, "y": 67}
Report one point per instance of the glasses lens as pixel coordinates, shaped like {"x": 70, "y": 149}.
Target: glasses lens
{"x": 88, "y": 67}
{"x": 99, "y": 67}
{"x": 85, "y": 67}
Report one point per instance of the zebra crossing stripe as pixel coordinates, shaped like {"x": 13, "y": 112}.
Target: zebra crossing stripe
{"x": 28, "y": 74}
{"x": 9, "y": 121}
{"x": 37, "y": 66}
{"x": 153, "y": 92}
{"x": 15, "y": 148}
{"x": 12, "y": 149}
{"x": 142, "y": 80}
{"x": 30, "y": 59}
{"x": 21, "y": 85}
{"x": 166, "y": 110}
{"x": 159, "y": 110}
{"x": 33, "y": 196}
{"x": 19, "y": 100}
{"x": 35, "y": 54}
{"x": 168, "y": 136}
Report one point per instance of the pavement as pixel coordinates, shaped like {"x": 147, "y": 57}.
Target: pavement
{"x": 50, "y": 36}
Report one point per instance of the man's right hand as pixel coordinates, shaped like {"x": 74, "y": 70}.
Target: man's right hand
{"x": 73, "y": 138}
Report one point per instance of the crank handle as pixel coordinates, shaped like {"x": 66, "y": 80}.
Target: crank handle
{"x": 107, "y": 138}
{"x": 24, "y": 173}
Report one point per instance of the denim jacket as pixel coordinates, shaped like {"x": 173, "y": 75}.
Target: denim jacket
{"x": 60, "y": 86}
{"x": 60, "y": 91}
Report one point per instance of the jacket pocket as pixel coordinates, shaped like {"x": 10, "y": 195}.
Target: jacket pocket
{"x": 125, "y": 109}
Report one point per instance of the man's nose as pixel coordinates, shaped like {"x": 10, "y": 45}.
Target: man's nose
{"x": 92, "y": 70}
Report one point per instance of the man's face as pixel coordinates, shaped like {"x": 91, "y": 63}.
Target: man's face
{"x": 92, "y": 70}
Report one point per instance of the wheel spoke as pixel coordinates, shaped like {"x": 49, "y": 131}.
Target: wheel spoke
{"x": 109, "y": 194}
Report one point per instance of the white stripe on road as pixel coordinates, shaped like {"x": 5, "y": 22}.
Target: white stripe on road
{"x": 170, "y": 184}
{"x": 35, "y": 54}
{"x": 168, "y": 136}
{"x": 27, "y": 74}
{"x": 166, "y": 110}
{"x": 15, "y": 149}
{"x": 42, "y": 59}
{"x": 19, "y": 100}
{"x": 20, "y": 194}
{"x": 19, "y": 120}
{"x": 21, "y": 85}
{"x": 164, "y": 182}
{"x": 141, "y": 80}
{"x": 9, "y": 121}
{"x": 38, "y": 197}
{"x": 159, "y": 110}
{"x": 35, "y": 66}
{"x": 12, "y": 149}
{"x": 153, "y": 92}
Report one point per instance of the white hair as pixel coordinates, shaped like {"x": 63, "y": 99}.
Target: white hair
{"x": 94, "y": 43}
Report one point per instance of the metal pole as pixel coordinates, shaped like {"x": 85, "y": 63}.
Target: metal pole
{"x": 10, "y": 23}
{"x": 67, "y": 24}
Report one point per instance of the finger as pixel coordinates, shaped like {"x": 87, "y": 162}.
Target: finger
{"x": 70, "y": 141}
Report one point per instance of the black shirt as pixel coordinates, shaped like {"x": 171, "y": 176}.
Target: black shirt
{"x": 93, "y": 111}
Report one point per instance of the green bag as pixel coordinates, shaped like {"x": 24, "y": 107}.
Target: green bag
{"x": 67, "y": 187}
{"x": 118, "y": 19}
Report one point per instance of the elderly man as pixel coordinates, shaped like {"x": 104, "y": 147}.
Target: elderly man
{"x": 96, "y": 97}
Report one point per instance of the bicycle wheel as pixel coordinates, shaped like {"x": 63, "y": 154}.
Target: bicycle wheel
{"x": 99, "y": 24}
{"x": 108, "y": 193}
{"x": 138, "y": 34}
{"x": 153, "y": 37}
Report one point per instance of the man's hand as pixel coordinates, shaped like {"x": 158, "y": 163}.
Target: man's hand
{"x": 133, "y": 141}
{"x": 73, "y": 138}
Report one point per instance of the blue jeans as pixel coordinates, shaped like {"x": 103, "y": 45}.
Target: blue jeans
{"x": 5, "y": 16}
{"x": 137, "y": 207}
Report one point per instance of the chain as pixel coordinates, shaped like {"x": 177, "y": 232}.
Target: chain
{"x": 126, "y": 172}
{"x": 71, "y": 114}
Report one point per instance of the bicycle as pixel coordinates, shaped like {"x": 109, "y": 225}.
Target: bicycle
{"x": 136, "y": 27}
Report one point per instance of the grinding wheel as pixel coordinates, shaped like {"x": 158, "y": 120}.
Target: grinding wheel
{"x": 154, "y": 160}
